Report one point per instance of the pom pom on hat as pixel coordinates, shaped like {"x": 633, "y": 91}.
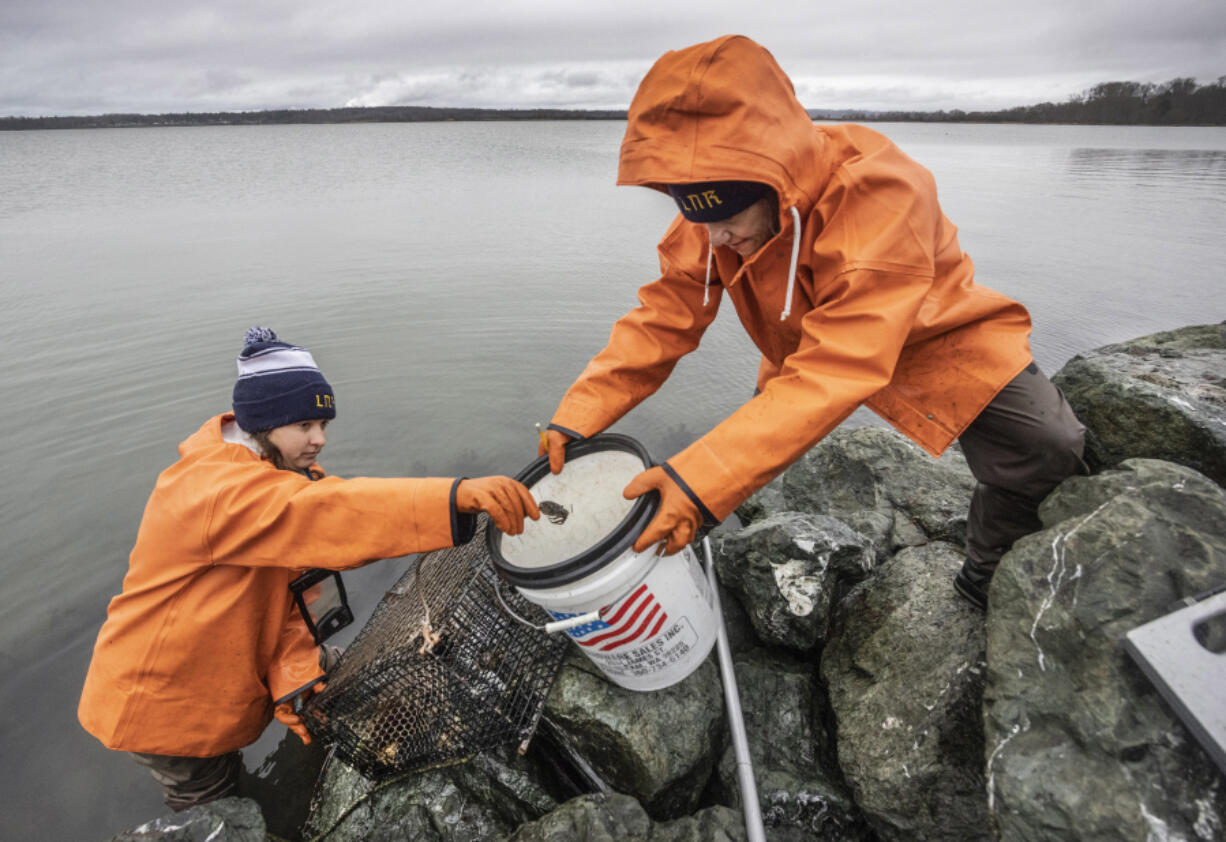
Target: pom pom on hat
{"x": 278, "y": 384}
{"x": 714, "y": 201}
{"x": 258, "y": 334}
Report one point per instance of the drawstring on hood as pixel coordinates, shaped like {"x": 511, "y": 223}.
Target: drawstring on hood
{"x": 706, "y": 289}
{"x": 787, "y": 301}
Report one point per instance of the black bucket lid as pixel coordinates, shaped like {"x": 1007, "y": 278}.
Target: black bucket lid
{"x": 608, "y": 548}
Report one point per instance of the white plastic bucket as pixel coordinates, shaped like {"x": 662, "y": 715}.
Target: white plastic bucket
{"x": 657, "y": 619}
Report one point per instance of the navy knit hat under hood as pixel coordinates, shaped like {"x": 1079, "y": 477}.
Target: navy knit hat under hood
{"x": 278, "y": 384}
{"x": 715, "y": 201}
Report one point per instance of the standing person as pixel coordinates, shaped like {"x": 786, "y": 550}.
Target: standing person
{"x": 849, "y": 279}
{"x": 205, "y": 635}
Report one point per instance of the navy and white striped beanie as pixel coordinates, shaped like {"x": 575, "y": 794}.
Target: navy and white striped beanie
{"x": 278, "y": 384}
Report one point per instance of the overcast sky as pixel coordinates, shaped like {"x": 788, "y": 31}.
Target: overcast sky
{"x": 152, "y": 56}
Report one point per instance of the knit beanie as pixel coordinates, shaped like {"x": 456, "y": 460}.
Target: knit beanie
{"x": 714, "y": 201}
{"x": 278, "y": 384}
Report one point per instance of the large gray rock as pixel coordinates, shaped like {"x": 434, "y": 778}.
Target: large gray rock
{"x": 1160, "y": 397}
{"x": 659, "y": 747}
{"x": 798, "y": 783}
{"x": 787, "y": 570}
{"x": 1080, "y": 745}
{"x": 226, "y": 820}
{"x": 515, "y": 787}
{"x": 619, "y": 818}
{"x": 482, "y": 799}
{"x": 904, "y": 669}
{"x": 879, "y": 483}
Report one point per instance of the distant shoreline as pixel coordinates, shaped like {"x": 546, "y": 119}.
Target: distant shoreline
{"x": 308, "y": 116}
{"x": 1106, "y": 104}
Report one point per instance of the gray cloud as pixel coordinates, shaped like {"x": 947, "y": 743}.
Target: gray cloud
{"x": 603, "y": 86}
{"x": 74, "y": 56}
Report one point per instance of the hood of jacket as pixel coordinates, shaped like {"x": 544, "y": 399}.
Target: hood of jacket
{"x": 208, "y": 436}
{"x": 222, "y": 431}
{"x": 723, "y": 110}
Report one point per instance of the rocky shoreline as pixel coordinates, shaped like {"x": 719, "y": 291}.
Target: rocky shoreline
{"x": 879, "y": 705}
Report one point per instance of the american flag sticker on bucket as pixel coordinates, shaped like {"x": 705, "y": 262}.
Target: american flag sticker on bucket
{"x": 637, "y": 617}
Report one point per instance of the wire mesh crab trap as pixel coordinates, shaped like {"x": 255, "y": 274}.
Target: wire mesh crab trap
{"x": 439, "y": 673}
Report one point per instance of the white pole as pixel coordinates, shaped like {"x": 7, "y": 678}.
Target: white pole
{"x": 571, "y": 622}
{"x": 736, "y": 722}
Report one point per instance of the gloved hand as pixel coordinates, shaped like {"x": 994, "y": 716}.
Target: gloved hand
{"x": 284, "y": 713}
{"x": 554, "y": 443}
{"x": 677, "y": 519}
{"x": 506, "y": 501}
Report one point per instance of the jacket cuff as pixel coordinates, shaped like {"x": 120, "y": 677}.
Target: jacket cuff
{"x": 580, "y": 417}
{"x": 463, "y": 524}
{"x": 707, "y": 518}
{"x": 566, "y": 431}
{"x": 290, "y": 695}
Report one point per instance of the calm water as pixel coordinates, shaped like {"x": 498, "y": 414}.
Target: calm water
{"x": 451, "y": 280}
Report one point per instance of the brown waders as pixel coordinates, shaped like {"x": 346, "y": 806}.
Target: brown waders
{"x": 190, "y": 781}
{"x": 1023, "y": 444}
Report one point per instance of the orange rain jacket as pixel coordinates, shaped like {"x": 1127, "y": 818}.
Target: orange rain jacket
{"x": 885, "y": 312}
{"x": 205, "y": 633}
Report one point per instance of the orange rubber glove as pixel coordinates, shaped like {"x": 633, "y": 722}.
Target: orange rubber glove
{"x": 506, "y": 501}
{"x": 284, "y": 713}
{"x": 677, "y": 519}
{"x": 555, "y": 444}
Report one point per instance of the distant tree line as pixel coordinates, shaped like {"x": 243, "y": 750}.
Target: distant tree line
{"x": 382, "y": 114}
{"x": 1179, "y": 102}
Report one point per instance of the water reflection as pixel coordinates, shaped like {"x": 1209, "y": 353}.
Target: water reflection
{"x": 1191, "y": 168}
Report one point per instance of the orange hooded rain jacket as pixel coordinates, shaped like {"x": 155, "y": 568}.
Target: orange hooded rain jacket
{"x": 884, "y": 307}
{"x": 205, "y": 633}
